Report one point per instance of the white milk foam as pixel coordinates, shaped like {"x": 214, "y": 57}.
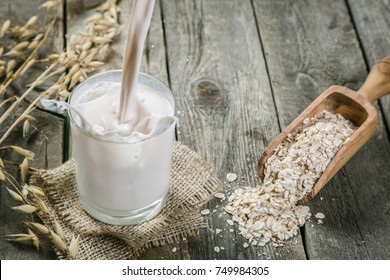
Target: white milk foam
{"x": 99, "y": 106}
{"x": 127, "y": 112}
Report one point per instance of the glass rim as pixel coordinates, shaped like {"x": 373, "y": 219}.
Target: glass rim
{"x": 80, "y": 130}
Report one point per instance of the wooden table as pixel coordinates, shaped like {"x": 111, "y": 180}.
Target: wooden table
{"x": 241, "y": 71}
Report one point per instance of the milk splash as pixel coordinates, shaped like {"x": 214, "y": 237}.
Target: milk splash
{"x": 126, "y": 111}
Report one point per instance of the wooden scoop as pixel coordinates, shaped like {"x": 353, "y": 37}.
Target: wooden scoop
{"x": 352, "y": 105}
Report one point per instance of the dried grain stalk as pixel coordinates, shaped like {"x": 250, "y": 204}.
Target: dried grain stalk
{"x": 86, "y": 53}
{"x": 83, "y": 56}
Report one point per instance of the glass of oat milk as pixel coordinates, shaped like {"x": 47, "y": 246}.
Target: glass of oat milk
{"x": 122, "y": 169}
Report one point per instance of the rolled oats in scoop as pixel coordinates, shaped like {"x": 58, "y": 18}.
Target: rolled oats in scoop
{"x": 268, "y": 213}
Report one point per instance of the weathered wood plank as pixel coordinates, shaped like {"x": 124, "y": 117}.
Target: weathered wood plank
{"x": 218, "y": 75}
{"x": 309, "y": 46}
{"x": 19, "y": 11}
{"x": 372, "y": 23}
{"x": 11, "y": 221}
{"x": 225, "y": 107}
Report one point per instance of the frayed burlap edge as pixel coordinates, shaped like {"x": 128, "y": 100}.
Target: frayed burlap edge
{"x": 192, "y": 185}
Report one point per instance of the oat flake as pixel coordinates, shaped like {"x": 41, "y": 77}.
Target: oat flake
{"x": 219, "y": 195}
{"x": 268, "y": 213}
{"x": 319, "y": 215}
{"x": 231, "y": 177}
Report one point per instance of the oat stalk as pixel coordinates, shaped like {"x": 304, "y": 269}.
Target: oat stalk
{"x": 76, "y": 63}
{"x": 28, "y": 60}
{"x": 86, "y": 53}
{"x": 27, "y": 111}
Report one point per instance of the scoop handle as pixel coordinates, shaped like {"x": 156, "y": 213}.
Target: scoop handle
{"x": 377, "y": 83}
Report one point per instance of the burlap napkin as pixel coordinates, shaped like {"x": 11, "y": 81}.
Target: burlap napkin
{"x": 191, "y": 185}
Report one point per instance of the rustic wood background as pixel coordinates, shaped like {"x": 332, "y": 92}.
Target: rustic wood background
{"x": 241, "y": 71}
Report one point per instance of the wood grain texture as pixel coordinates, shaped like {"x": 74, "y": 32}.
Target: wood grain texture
{"x": 11, "y": 221}
{"x": 225, "y": 108}
{"x": 372, "y": 25}
{"x": 305, "y": 54}
{"x": 49, "y": 126}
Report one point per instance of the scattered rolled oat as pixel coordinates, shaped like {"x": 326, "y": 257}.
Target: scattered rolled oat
{"x": 218, "y": 230}
{"x": 245, "y": 245}
{"x": 217, "y": 249}
{"x": 174, "y": 249}
{"x": 230, "y": 222}
{"x": 219, "y": 195}
{"x": 268, "y": 213}
{"x": 319, "y": 215}
{"x": 205, "y": 212}
{"x": 231, "y": 177}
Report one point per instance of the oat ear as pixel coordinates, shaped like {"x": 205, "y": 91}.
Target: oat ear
{"x": 90, "y": 47}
